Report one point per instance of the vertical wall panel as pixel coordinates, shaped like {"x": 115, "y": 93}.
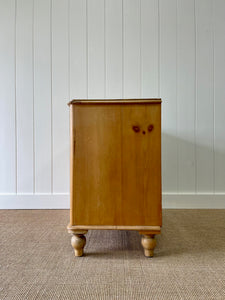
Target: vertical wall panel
{"x": 186, "y": 95}
{"x": 219, "y": 88}
{"x": 131, "y": 45}
{"x": 54, "y": 50}
{"x": 42, "y": 95}
{"x": 168, "y": 93}
{"x": 113, "y": 48}
{"x": 60, "y": 96}
{"x": 7, "y": 97}
{"x": 204, "y": 96}
{"x": 96, "y": 49}
{"x": 24, "y": 96}
{"x": 150, "y": 48}
{"x": 78, "y": 49}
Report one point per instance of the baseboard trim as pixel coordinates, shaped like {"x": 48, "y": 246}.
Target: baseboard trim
{"x": 34, "y": 201}
{"x": 193, "y": 201}
{"x": 61, "y": 201}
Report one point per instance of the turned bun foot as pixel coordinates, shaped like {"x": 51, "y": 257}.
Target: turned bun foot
{"x": 78, "y": 242}
{"x": 148, "y": 242}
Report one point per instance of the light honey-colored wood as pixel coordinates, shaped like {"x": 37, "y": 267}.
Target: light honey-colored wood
{"x": 78, "y": 242}
{"x": 72, "y": 163}
{"x": 96, "y": 183}
{"x": 75, "y": 230}
{"x": 114, "y": 101}
{"x": 148, "y": 242}
{"x": 115, "y": 165}
{"x": 141, "y": 168}
{"x": 110, "y": 227}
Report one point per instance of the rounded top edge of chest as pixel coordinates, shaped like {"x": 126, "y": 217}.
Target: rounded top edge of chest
{"x": 116, "y": 101}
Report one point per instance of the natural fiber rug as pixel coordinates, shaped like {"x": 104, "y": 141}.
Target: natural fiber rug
{"x": 37, "y": 260}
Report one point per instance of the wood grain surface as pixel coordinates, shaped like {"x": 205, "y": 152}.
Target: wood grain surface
{"x": 116, "y": 164}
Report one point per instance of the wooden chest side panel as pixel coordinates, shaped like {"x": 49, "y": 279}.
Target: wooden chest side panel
{"x": 115, "y": 170}
{"x": 96, "y": 193}
{"x": 141, "y": 165}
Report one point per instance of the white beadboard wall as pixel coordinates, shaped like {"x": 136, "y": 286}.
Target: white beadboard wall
{"x": 54, "y": 50}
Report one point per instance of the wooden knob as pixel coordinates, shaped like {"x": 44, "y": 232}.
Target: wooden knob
{"x": 136, "y": 128}
{"x": 150, "y": 127}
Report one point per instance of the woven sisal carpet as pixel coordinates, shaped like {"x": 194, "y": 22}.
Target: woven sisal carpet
{"x": 37, "y": 261}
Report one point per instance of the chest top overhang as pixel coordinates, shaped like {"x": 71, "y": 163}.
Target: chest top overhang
{"x": 116, "y": 101}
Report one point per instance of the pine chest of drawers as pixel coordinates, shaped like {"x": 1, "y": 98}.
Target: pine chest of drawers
{"x": 115, "y": 168}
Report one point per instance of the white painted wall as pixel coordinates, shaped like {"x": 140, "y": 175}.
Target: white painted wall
{"x": 54, "y": 50}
